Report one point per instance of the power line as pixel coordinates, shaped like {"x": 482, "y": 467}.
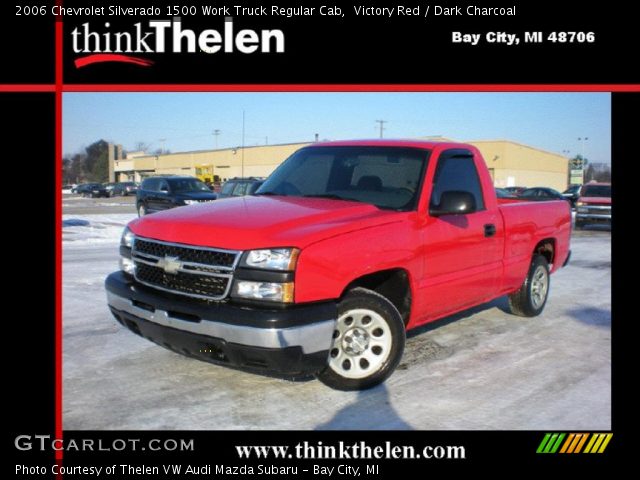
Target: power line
{"x": 382, "y": 129}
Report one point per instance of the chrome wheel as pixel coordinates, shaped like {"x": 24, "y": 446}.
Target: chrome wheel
{"x": 539, "y": 286}
{"x": 361, "y": 344}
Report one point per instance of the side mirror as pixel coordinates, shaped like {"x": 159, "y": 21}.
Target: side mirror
{"x": 164, "y": 189}
{"x": 454, "y": 203}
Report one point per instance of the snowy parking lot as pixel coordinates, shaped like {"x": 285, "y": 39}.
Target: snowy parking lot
{"x": 482, "y": 369}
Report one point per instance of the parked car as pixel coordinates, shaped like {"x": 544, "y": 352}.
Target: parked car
{"x": 162, "y": 193}
{"x": 109, "y": 187}
{"x": 504, "y": 193}
{"x": 345, "y": 247}
{"x": 93, "y": 190}
{"x": 541, "y": 194}
{"x": 594, "y": 204}
{"x": 572, "y": 193}
{"x": 124, "y": 189}
{"x": 68, "y": 189}
{"x": 238, "y": 187}
{"x": 515, "y": 190}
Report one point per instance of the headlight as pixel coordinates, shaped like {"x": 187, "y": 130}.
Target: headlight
{"x": 274, "y": 292}
{"x": 191, "y": 202}
{"x": 272, "y": 259}
{"x": 580, "y": 204}
{"x": 126, "y": 244}
{"x": 127, "y": 238}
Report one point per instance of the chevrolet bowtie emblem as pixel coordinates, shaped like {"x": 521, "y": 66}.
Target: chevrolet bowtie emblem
{"x": 169, "y": 264}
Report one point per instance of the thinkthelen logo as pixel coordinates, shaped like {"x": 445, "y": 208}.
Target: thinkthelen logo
{"x": 167, "y": 36}
{"x": 574, "y": 443}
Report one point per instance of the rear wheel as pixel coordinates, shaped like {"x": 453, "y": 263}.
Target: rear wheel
{"x": 529, "y": 300}
{"x": 368, "y": 342}
{"x": 142, "y": 210}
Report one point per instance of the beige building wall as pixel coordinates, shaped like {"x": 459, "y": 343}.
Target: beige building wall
{"x": 510, "y": 163}
{"x": 514, "y": 164}
{"x": 228, "y": 163}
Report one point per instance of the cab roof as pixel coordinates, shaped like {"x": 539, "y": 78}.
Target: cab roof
{"x": 423, "y": 144}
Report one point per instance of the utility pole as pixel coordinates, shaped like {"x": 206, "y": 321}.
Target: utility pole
{"x": 162, "y": 140}
{"x": 216, "y": 132}
{"x": 242, "y": 155}
{"x": 381, "y": 122}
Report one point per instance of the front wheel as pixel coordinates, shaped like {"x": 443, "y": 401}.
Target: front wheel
{"x": 142, "y": 210}
{"x": 368, "y": 342}
{"x": 529, "y": 300}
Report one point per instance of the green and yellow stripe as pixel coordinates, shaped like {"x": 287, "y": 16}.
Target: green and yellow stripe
{"x": 574, "y": 443}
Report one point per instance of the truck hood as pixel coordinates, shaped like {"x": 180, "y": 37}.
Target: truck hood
{"x": 258, "y": 222}
{"x": 596, "y": 200}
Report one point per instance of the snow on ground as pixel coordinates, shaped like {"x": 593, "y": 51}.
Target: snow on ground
{"x": 94, "y": 228}
{"x": 482, "y": 369}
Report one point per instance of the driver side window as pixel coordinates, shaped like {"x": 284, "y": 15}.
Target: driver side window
{"x": 457, "y": 172}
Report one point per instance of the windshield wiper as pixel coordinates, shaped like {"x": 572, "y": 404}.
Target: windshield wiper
{"x": 332, "y": 196}
{"x": 268, "y": 193}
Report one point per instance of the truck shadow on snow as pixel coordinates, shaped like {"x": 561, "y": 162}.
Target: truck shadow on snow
{"x": 597, "y": 317}
{"x": 358, "y": 414}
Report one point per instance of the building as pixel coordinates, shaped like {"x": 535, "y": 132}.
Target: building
{"x": 510, "y": 163}
{"x": 225, "y": 163}
{"x": 513, "y": 164}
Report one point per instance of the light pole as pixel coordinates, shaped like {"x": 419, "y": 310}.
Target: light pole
{"x": 582, "y": 140}
{"x": 570, "y": 164}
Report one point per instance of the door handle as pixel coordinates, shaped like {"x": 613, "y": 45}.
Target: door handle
{"x": 489, "y": 230}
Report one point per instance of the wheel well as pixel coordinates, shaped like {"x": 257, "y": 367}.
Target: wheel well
{"x": 392, "y": 284}
{"x": 546, "y": 248}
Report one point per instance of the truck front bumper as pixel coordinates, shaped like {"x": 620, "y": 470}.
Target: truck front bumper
{"x": 290, "y": 342}
{"x": 595, "y": 214}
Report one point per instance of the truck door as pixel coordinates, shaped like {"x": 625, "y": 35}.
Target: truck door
{"x": 463, "y": 252}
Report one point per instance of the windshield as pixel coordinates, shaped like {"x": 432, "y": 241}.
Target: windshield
{"x": 387, "y": 177}
{"x": 182, "y": 185}
{"x": 596, "y": 191}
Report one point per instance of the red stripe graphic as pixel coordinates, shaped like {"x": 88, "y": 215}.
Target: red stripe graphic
{"x": 110, "y": 57}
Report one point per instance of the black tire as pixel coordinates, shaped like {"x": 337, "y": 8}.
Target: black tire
{"x": 142, "y": 210}
{"x": 376, "y": 329}
{"x": 530, "y": 299}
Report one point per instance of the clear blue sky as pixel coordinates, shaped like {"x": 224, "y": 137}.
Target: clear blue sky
{"x": 186, "y": 121}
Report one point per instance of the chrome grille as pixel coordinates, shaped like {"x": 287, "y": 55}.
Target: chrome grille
{"x": 198, "y": 272}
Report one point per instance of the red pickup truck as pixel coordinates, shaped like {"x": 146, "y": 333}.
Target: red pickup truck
{"x": 345, "y": 247}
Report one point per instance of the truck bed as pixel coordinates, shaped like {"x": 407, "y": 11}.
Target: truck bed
{"x": 526, "y": 225}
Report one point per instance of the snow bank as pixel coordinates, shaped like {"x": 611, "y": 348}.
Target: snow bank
{"x": 90, "y": 229}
